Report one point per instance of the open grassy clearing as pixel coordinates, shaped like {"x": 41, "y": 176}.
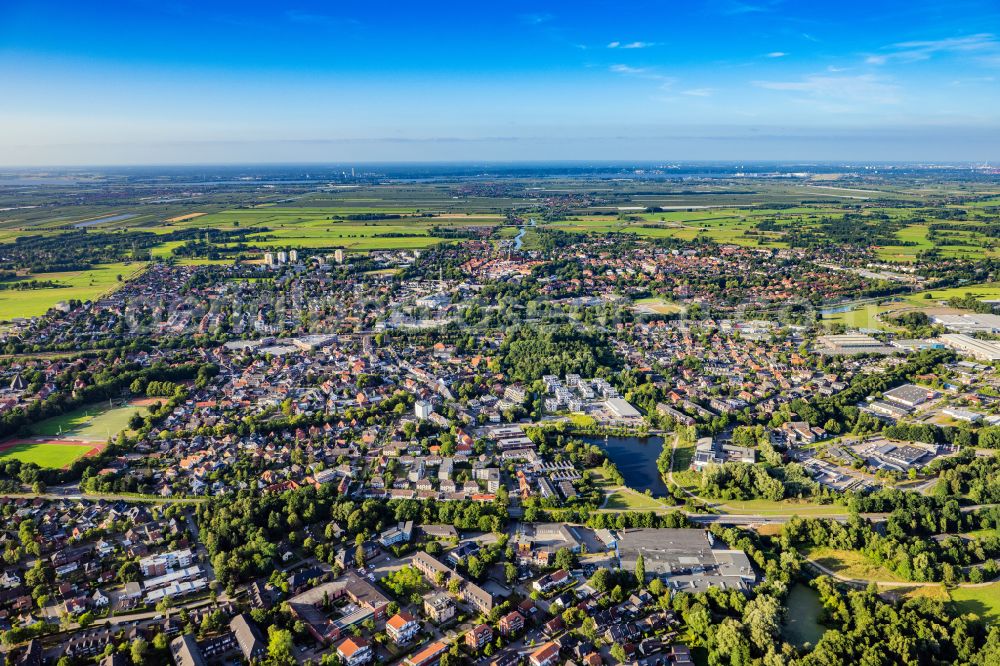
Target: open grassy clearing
{"x": 626, "y": 499}
{"x": 581, "y": 420}
{"x": 81, "y": 285}
{"x": 786, "y": 507}
{"x": 983, "y": 601}
{"x": 850, "y": 564}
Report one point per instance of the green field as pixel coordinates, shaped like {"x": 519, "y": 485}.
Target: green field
{"x": 626, "y": 499}
{"x": 80, "y": 285}
{"x": 53, "y": 456}
{"x": 983, "y": 601}
{"x": 872, "y": 315}
{"x": 850, "y": 564}
{"x": 94, "y": 423}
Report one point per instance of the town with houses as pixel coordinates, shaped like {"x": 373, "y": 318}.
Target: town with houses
{"x": 487, "y": 453}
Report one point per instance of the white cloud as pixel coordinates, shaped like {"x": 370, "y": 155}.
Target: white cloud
{"x": 776, "y": 54}
{"x": 983, "y": 43}
{"x": 631, "y": 45}
{"x": 699, "y": 92}
{"x": 628, "y": 69}
{"x": 643, "y": 73}
{"x": 863, "y": 89}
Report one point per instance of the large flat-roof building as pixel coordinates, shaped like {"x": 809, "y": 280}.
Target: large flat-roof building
{"x": 850, "y": 344}
{"x": 968, "y": 323}
{"x": 983, "y": 350}
{"x": 686, "y": 559}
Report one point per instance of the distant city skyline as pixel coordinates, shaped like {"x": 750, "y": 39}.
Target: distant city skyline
{"x": 144, "y": 82}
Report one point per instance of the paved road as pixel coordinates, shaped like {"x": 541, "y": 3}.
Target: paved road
{"x": 73, "y": 493}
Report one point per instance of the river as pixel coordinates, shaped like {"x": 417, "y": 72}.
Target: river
{"x": 635, "y": 458}
{"x": 519, "y": 238}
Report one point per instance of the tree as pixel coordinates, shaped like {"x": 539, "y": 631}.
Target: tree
{"x": 280, "y": 647}
{"x": 601, "y": 580}
{"x": 565, "y": 559}
{"x": 761, "y": 617}
{"x": 138, "y": 651}
{"x": 640, "y": 570}
{"x": 618, "y": 652}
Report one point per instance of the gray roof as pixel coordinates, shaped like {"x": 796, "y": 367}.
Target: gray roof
{"x": 186, "y": 652}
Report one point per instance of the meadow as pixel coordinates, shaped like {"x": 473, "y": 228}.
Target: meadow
{"x": 81, "y": 285}
{"x": 873, "y": 315}
{"x": 984, "y": 601}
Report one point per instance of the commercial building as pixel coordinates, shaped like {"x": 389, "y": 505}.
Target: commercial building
{"x": 621, "y": 409}
{"x": 850, "y": 344}
{"x": 968, "y": 323}
{"x": 979, "y": 349}
{"x": 710, "y": 452}
{"x": 686, "y": 559}
{"x": 910, "y": 395}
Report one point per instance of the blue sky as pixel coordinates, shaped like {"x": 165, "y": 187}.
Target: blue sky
{"x": 217, "y": 81}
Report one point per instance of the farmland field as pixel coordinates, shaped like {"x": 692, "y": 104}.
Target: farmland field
{"x": 80, "y": 285}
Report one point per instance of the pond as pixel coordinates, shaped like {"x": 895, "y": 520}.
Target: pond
{"x": 801, "y": 623}
{"x": 635, "y": 458}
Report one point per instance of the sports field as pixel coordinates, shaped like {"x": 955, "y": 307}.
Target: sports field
{"x": 50, "y": 453}
{"x": 94, "y": 423}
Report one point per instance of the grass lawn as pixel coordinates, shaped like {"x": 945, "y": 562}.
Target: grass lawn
{"x": 935, "y": 592}
{"x": 600, "y": 478}
{"x": 850, "y": 564}
{"x": 81, "y": 285}
{"x": 683, "y": 455}
{"x": 981, "y": 534}
{"x": 783, "y": 508}
{"x": 92, "y": 423}
{"x": 582, "y": 420}
{"x": 54, "y": 456}
{"x": 625, "y": 499}
{"x": 983, "y": 601}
